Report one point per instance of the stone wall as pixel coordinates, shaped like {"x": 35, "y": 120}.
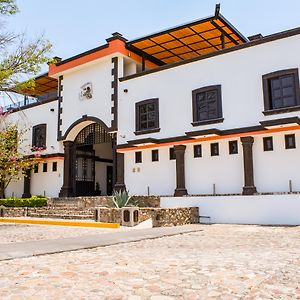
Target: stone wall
{"x": 161, "y": 217}
{"x": 103, "y": 201}
{"x": 11, "y": 212}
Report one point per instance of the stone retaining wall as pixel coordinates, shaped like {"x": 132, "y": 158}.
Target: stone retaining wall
{"x": 103, "y": 201}
{"x": 13, "y": 212}
{"x": 161, "y": 217}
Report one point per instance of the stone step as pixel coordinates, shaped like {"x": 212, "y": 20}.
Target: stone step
{"x": 61, "y": 216}
{"x": 61, "y": 212}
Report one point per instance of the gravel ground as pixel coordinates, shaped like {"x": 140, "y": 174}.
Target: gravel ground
{"x": 220, "y": 262}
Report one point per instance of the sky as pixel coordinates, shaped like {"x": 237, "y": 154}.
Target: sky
{"x": 75, "y": 26}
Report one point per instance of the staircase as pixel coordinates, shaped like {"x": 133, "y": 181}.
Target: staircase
{"x": 62, "y": 210}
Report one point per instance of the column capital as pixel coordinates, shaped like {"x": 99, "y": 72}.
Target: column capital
{"x": 247, "y": 139}
{"x": 68, "y": 143}
{"x": 179, "y": 148}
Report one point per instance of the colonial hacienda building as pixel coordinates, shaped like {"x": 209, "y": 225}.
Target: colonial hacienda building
{"x": 197, "y": 109}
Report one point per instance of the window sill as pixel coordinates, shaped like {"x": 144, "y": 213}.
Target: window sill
{"x": 281, "y": 110}
{"x": 147, "y": 131}
{"x": 207, "y": 122}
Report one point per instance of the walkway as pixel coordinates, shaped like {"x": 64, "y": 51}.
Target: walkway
{"x": 42, "y": 247}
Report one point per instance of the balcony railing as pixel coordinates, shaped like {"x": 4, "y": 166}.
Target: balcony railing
{"x": 28, "y": 100}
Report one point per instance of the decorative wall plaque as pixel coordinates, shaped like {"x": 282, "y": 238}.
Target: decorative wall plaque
{"x": 86, "y": 91}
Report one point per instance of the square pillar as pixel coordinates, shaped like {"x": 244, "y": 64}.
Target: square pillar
{"x": 180, "y": 171}
{"x": 249, "y": 187}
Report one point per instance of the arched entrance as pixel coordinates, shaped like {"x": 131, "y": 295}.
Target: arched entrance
{"x": 93, "y": 161}
{"x": 90, "y": 159}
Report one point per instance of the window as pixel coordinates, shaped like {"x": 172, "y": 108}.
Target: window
{"x": 36, "y": 168}
{"x": 147, "y": 116}
{"x": 214, "y": 149}
{"x": 268, "y": 143}
{"x": 233, "y": 147}
{"x": 138, "y": 157}
{"x": 281, "y": 91}
{"x": 155, "y": 156}
{"x": 197, "y": 151}
{"x": 290, "y": 141}
{"x": 207, "y": 106}
{"x": 39, "y": 136}
{"x": 172, "y": 153}
{"x": 54, "y": 166}
{"x": 45, "y": 166}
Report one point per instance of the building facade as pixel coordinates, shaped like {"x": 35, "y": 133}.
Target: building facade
{"x": 197, "y": 109}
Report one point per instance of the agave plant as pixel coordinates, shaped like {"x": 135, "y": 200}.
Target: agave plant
{"x": 120, "y": 198}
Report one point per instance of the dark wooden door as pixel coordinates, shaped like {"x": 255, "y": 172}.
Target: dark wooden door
{"x": 85, "y": 171}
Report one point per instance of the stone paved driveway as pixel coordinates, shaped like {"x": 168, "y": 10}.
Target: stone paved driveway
{"x": 220, "y": 262}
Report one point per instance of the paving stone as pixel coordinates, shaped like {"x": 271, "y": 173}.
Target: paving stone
{"x": 221, "y": 262}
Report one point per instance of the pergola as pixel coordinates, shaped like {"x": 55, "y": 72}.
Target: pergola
{"x": 188, "y": 40}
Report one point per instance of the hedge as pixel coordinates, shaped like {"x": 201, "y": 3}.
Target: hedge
{"x": 34, "y": 201}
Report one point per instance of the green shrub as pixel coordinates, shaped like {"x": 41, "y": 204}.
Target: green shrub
{"x": 34, "y": 201}
{"x": 120, "y": 199}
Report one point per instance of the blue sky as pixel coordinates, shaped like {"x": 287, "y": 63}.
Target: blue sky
{"x": 74, "y": 26}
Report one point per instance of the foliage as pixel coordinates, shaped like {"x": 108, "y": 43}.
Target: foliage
{"x": 121, "y": 198}
{"x": 13, "y": 159}
{"x": 19, "y": 58}
{"x": 34, "y": 201}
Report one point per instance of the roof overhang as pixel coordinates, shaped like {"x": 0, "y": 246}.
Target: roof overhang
{"x": 189, "y": 40}
{"x": 43, "y": 84}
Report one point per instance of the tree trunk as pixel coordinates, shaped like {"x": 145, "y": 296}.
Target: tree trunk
{"x": 2, "y": 190}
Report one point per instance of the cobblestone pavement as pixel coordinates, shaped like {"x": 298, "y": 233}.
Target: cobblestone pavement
{"x": 12, "y": 233}
{"x": 220, "y": 262}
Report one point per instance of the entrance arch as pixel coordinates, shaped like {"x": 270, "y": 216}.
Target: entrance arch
{"x": 89, "y": 168}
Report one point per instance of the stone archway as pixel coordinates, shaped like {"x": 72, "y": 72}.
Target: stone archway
{"x": 90, "y": 159}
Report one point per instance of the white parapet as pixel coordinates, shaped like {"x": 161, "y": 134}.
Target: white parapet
{"x": 258, "y": 209}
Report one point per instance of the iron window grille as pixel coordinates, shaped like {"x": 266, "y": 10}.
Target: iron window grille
{"x": 138, "y": 157}
{"x": 290, "y": 141}
{"x": 39, "y": 136}
{"x": 54, "y": 166}
{"x": 281, "y": 91}
{"x": 268, "y": 143}
{"x": 147, "y": 116}
{"x": 233, "y": 147}
{"x": 214, "y": 149}
{"x": 172, "y": 153}
{"x": 155, "y": 155}
{"x": 207, "y": 105}
{"x": 197, "y": 151}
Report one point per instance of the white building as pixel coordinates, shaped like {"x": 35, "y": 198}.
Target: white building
{"x": 197, "y": 109}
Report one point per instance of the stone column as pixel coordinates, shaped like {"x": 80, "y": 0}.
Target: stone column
{"x": 69, "y": 168}
{"x": 180, "y": 174}
{"x": 249, "y": 188}
{"x": 26, "y": 190}
{"x": 120, "y": 184}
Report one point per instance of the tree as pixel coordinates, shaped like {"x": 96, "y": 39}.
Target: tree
{"x": 20, "y": 59}
{"x": 13, "y": 159}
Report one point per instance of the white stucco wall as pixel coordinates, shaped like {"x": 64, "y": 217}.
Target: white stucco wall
{"x": 238, "y": 72}
{"x": 27, "y": 118}
{"x": 47, "y": 183}
{"x": 225, "y": 171}
{"x": 260, "y": 209}
{"x": 158, "y": 176}
{"x": 274, "y": 169}
{"x": 99, "y": 73}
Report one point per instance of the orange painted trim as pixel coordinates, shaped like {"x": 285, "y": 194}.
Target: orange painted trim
{"x": 113, "y": 47}
{"x": 210, "y": 138}
{"x": 49, "y": 158}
